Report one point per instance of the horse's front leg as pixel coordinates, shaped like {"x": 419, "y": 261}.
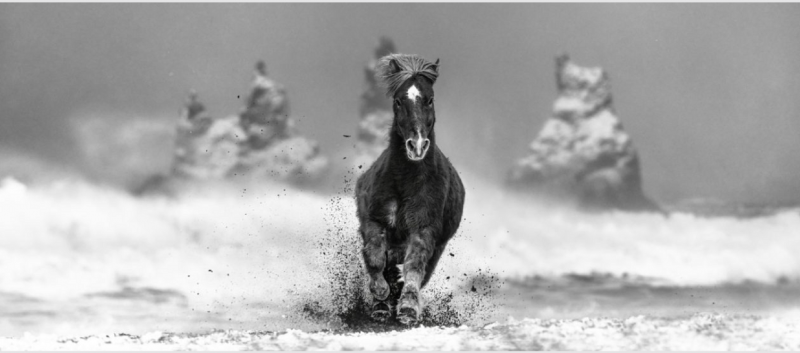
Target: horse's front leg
{"x": 374, "y": 252}
{"x": 418, "y": 252}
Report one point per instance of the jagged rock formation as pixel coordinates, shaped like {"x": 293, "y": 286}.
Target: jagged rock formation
{"x": 259, "y": 142}
{"x": 376, "y": 111}
{"x": 205, "y": 148}
{"x": 273, "y": 147}
{"x": 582, "y": 153}
{"x": 265, "y": 117}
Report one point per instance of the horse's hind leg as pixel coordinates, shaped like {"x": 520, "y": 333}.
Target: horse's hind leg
{"x": 418, "y": 253}
{"x": 374, "y": 252}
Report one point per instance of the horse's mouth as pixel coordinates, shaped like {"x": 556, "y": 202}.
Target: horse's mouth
{"x": 415, "y": 158}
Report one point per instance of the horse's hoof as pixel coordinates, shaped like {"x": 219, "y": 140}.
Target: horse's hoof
{"x": 407, "y": 316}
{"x": 408, "y": 310}
{"x": 381, "y": 312}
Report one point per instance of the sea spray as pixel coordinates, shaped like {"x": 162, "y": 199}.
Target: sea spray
{"x": 342, "y": 300}
{"x": 64, "y": 242}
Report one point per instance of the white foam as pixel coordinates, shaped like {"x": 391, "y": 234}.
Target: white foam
{"x": 69, "y": 239}
{"x": 523, "y": 239}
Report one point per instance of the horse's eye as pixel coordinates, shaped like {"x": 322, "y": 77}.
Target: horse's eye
{"x": 397, "y": 102}
{"x": 430, "y": 101}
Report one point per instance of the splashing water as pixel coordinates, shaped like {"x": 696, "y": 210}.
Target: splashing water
{"x": 342, "y": 300}
{"x": 78, "y": 258}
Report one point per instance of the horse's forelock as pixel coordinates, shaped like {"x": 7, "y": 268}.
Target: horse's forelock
{"x": 407, "y": 66}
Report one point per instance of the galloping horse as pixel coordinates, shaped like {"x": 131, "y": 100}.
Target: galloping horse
{"x": 410, "y": 200}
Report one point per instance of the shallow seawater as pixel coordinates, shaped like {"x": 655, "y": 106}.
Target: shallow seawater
{"x": 702, "y": 331}
{"x": 78, "y": 259}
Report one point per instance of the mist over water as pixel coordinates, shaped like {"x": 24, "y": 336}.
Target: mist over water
{"x": 252, "y": 256}
{"x": 706, "y": 90}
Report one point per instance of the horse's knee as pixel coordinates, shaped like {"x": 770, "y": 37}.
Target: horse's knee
{"x": 374, "y": 253}
{"x": 379, "y": 287}
{"x": 374, "y": 257}
{"x": 374, "y": 249}
{"x": 418, "y": 252}
{"x": 370, "y": 231}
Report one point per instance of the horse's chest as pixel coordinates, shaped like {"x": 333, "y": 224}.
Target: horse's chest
{"x": 403, "y": 205}
{"x": 395, "y": 213}
{"x": 398, "y": 214}
{"x": 391, "y": 213}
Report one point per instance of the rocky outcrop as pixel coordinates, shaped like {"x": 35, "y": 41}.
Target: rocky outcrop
{"x": 205, "y": 148}
{"x": 265, "y": 117}
{"x": 375, "y": 111}
{"x": 273, "y": 147}
{"x": 582, "y": 153}
{"x": 260, "y": 142}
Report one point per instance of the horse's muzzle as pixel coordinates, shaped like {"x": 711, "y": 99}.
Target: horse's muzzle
{"x": 417, "y": 148}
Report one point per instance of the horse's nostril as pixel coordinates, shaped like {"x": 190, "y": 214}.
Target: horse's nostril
{"x": 425, "y": 144}
{"x": 410, "y": 145}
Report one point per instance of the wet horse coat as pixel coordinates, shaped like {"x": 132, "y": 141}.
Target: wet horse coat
{"x": 410, "y": 201}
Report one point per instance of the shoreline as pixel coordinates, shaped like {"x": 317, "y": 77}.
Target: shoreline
{"x": 703, "y": 331}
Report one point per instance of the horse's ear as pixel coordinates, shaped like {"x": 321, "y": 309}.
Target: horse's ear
{"x": 436, "y": 66}
{"x": 394, "y": 66}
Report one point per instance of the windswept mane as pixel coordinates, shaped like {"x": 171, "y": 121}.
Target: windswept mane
{"x": 407, "y": 67}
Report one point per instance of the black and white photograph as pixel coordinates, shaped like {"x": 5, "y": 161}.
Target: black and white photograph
{"x": 400, "y": 176}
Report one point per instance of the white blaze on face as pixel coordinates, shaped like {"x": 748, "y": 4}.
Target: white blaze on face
{"x": 419, "y": 142}
{"x": 413, "y": 93}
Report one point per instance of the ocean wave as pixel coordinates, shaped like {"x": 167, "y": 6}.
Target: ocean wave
{"x": 73, "y": 229}
{"x": 224, "y": 248}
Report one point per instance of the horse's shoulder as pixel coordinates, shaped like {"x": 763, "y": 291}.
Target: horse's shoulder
{"x": 371, "y": 180}
{"x": 374, "y": 168}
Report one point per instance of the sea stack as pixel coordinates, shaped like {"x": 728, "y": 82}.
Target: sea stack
{"x": 272, "y": 146}
{"x": 375, "y": 111}
{"x": 582, "y": 154}
{"x": 261, "y": 141}
{"x": 205, "y": 147}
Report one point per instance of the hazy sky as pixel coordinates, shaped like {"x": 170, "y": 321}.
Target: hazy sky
{"x": 709, "y": 92}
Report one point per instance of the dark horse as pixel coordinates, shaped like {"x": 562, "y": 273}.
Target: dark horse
{"x": 411, "y": 199}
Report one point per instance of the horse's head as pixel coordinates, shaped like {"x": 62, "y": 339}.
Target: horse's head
{"x": 410, "y": 82}
{"x": 415, "y": 116}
